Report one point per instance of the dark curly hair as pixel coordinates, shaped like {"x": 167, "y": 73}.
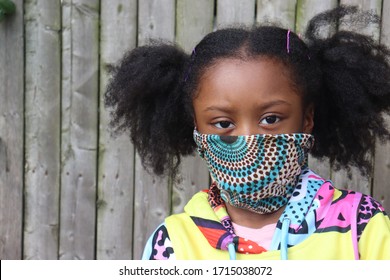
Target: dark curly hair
{"x": 346, "y": 76}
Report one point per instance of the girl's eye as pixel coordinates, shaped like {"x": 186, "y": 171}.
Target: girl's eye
{"x": 223, "y": 124}
{"x": 270, "y": 120}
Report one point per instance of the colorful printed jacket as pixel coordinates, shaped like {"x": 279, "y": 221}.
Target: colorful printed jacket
{"x": 319, "y": 222}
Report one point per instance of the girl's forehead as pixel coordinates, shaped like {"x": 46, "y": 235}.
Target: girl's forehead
{"x": 254, "y": 77}
{"x": 253, "y": 67}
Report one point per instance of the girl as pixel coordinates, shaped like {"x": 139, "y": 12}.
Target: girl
{"x": 253, "y": 103}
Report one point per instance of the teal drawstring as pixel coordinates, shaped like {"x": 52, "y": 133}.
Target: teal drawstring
{"x": 284, "y": 239}
{"x": 232, "y": 251}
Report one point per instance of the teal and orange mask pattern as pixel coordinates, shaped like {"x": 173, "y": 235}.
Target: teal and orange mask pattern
{"x": 255, "y": 172}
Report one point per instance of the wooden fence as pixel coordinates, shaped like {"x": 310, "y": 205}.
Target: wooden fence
{"x": 67, "y": 189}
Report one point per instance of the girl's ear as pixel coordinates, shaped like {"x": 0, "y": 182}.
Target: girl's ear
{"x": 308, "y": 119}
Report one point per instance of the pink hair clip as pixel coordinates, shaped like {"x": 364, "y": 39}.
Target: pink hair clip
{"x": 288, "y": 41}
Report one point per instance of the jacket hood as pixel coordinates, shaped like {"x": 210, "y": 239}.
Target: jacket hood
{"x": 304, "y": 214}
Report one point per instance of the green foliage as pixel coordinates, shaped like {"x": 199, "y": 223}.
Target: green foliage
{"x": 7, "y": 7}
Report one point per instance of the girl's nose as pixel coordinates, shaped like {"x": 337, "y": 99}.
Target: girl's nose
{"x": 247, "y": 129}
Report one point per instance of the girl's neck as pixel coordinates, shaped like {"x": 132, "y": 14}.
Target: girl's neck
{"x": 250, "y": 219}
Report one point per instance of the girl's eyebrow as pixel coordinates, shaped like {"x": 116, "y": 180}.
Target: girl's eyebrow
{"x": 262, "y": 107}
{"x": 220, "y": 108}
{"x": 270, "y": 104}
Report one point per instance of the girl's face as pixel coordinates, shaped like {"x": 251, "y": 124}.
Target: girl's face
{"x": 256, "y": 96}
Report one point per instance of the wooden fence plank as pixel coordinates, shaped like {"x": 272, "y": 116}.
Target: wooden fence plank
{"x": 358, "y": 182}
{"x": 151, "y": 206}
{"x": 281, "y": 12}
{"x": 194, "y": 19}
{"x": 306, "y": 9}
{"x": 156, "y": 20}
{"x": 381, "y": 189}
{"x": 232, "y": 12}
{"x": 42, "y": 142}
{"x": 116, "y": 155}
{"x": 79, "y": 128}
{"x": 11, "y": 133}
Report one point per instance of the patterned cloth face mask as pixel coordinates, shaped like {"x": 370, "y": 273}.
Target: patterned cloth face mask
{"x": 255, "y": 172}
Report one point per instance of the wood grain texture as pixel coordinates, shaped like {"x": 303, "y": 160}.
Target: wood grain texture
{"x": 43, "y": 123}
{"x": 152, "y": 194}
{"x": 281, "y": 12}
{"x": 194, "y": 19}
{"x": 232, "y": 13}
{"x": 156, "y": 20}
{"x": 11, "y": 133}
{"x": 116, "y": 155}
{"x": 381, "y": 182}
{"x": 80, "y": 89}
{"x": 152, "y": 205}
